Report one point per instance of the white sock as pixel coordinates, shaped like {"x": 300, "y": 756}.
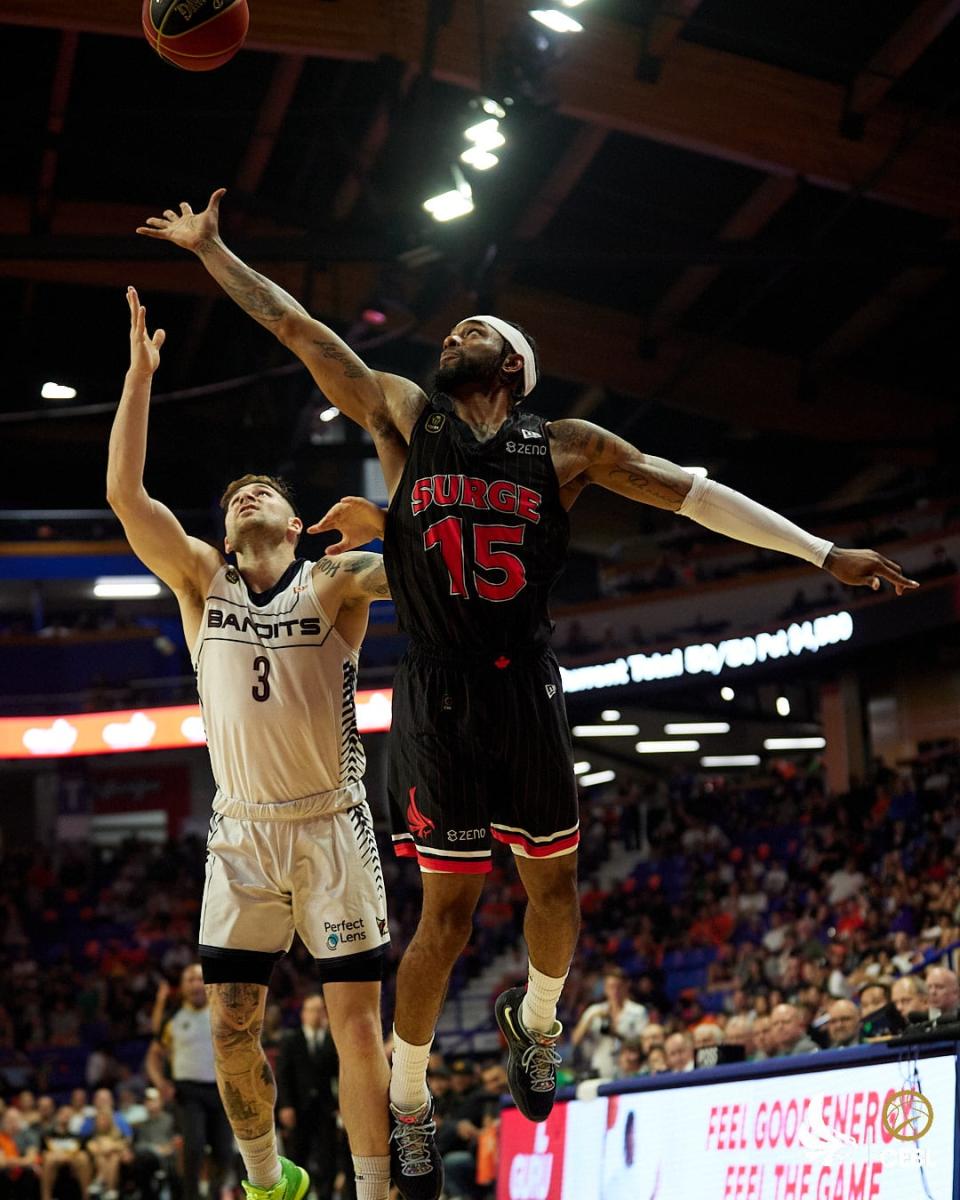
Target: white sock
{"x": 538, "y": 1011}
{"x": 260, "y": 1158}
{"x": 408, "y": 1078}
{"x": 373, "y": 1177}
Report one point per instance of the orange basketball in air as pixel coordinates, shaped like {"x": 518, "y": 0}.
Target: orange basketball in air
{"x": 198, "y": 35}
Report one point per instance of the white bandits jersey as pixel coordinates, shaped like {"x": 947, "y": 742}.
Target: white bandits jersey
{"x": 277, "y": 686}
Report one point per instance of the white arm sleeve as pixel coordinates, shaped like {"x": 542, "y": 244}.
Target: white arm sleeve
{"x": 725, "y": 511}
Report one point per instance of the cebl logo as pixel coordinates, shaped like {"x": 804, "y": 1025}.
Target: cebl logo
{"x": 419, "y": 825}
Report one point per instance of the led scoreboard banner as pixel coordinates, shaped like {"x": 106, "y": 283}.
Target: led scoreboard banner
{"x": 61, "y": 736}
{"x": 851, "y": 1130}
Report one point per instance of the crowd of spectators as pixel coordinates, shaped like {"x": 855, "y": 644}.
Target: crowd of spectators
{"x": 764, "y": 920}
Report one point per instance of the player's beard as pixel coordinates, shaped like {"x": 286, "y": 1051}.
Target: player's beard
{"x": 467, "y": 371}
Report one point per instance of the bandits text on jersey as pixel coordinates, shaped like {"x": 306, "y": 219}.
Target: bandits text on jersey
{"x": 302, "y": 626}
{"x": 467, "y": 491}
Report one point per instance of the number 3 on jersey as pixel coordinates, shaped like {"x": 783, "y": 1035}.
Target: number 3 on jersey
{"x": 261, "y": 689}
{"x": 448, "y": 535}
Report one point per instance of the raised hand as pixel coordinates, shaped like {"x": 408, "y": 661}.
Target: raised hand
{"x": 358, "y": 521}
{"x": 144, "y": 349}
{"x": 865, "y": 568}
{"x": 189, "y": 230}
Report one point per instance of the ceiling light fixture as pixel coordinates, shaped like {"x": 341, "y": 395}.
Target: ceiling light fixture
{"x": 329, "y": 414}
{"x": 727, "y": 693}
{"x": 479, "y": 159}
{"x": 57, "y": 391}
{"x": 597, "y": 777}
{"x": 783, "y": 706}
{"x": 674, "y": 727}
{"x": 455, "y": 203}
{"x": 730, "y": 760}
{"x": 126, "y": 587}
{"x": 486, "y": 135}
{"x": 555, "y": 20}
{"x": 493, "y": 108}
{"x": 794, "y": 743}
{"x": 610, "y": 714}
{"x": 679, "y": 747}
{"x": 581, "y": 768}
{"x": 605, "y": 730}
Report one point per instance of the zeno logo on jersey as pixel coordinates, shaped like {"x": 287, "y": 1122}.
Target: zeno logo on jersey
{"x": 526, "y": 447}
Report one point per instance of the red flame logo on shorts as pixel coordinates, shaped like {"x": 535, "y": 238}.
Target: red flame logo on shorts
{"x": 419, "y": 825}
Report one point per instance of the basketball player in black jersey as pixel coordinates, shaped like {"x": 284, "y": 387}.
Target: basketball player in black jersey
{"x": 476, "y": 535}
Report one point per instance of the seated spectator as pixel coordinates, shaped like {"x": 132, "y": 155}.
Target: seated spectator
{"x": 740, "y": 1032}
{"x": 19, "y": 1157}
{"x": 909, "y": 995}
{"x": 153, "y": 1145}
{"x": 130, "y": 1108}
{"x": 843, "y": 1024}
{"x": 761, "y": 1037}
{"x": 678, "y": 1050}
{"x": 103, "y": 1103}
{"x": 943, "y": 994}
{"x": 81, "y": 1109}
{"x": 629, "y": 1060}
{"x": 62, "y": 1154}
{"x": 109, "y": 1149}
{"x": 462, "y": 1130}
{"x": 873, "y": 998}
{"x": 604, "y": 1026}
{"x": 653, "y": 1036}
{"x": 707, "y": 1034}
{"x": 788, "y": 1034}
{"x": 656, "y": 1062}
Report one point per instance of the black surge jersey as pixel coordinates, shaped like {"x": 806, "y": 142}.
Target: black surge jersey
{"x": 476, "y": 535}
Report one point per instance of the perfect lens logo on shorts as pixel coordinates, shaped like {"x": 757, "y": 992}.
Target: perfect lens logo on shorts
{"x": 343, "y": 932}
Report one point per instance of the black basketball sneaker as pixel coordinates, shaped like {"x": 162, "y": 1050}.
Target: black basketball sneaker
{"x": 533, "y": 1062}
{"x": 416, "y": 1167}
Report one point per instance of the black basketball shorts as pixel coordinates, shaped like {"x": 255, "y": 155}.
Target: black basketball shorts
{"x": 480, "y": 751}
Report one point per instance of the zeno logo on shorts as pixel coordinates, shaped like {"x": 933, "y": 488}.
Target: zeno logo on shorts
{"x": 465, "y": 835}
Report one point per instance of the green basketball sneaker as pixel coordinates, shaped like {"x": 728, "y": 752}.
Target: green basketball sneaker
{"x": 293, "y": 1184}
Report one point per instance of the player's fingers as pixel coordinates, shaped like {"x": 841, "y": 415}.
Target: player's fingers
{"x": 159, "y": 338}
{"x": 185, "y": 209}
{"x": 891, "y": 572}
{"x": 170, "y": 214}
{"x": 337, "y": 548}
{"x": 328, "y": 521}
{"x": 216, "y": 197}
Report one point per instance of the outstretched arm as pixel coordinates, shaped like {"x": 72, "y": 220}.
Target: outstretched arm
{"x": 585, "y": 453}
{"x": 357, "y": 520}
{"x": 385, "y": 405}
{"x": 185, "y": 564}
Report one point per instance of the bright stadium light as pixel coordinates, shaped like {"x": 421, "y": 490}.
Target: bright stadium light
{"x": 679, "y": 747}
{"x": 727, "y": 693}
{"x": 558, "y": 21}
{"x": 479, "y": 159}
{"x": 581, "y": 768}
{"x": 493, "y": 108}
{"x": 794, "y": 743}
{"x": 783, "y": 706}
{"x": 486, "y": 135}
{"x": 730, "y": 760}
{"x": 126, "y": 587}
{"x": 449, "y": 205}
{"x": 330, "y": 414}
{"x": 57, "y": 391}
{"x": 610, "y": 714}
{"x": 605, "y": 730}
{"x": 597, "y": 777}
{"x": 674, "y": 727}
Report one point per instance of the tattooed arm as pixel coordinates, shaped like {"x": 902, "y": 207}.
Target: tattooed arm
{"x": 584, "y": 453}
{"x": 385, "y": 405}
{"x": 360, "y": 577}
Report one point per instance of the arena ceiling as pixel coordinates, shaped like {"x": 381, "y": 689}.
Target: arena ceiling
{"x": 731, "y": 224}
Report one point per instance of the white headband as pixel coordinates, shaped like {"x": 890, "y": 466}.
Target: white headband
{"x": 518, "y": 343}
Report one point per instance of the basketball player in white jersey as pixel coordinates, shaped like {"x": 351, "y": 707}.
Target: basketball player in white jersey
{"x": 291, "y": 844}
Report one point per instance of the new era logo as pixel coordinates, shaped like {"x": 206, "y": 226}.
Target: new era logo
{"x": 551, "y": 690}
{"x": 531, "y": 433}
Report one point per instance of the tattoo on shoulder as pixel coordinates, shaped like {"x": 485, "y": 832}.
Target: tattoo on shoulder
{"x": 328, "y": 566}
{"x": 373, "y": 578}
{"x": 330, "y": 350}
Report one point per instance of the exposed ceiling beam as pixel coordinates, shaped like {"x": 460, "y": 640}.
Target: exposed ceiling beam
{"x": 895, "y": 57}
{"x": 752, "y": 216}
{"x": 903, "y": 291}
{"x": 560, "y": 182}
{"x": 585, "y": 343}
{"x": 59, "y": 95}
{"x": 367, "y": 153}
{"x": 668, "y": 24}
{"x": 706, "y": 101}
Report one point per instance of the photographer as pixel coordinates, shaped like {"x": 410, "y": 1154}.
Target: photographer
{"x": 603, "y": 1027}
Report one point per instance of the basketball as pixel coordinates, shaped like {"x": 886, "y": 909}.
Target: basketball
{"x": 197, "y": 35}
